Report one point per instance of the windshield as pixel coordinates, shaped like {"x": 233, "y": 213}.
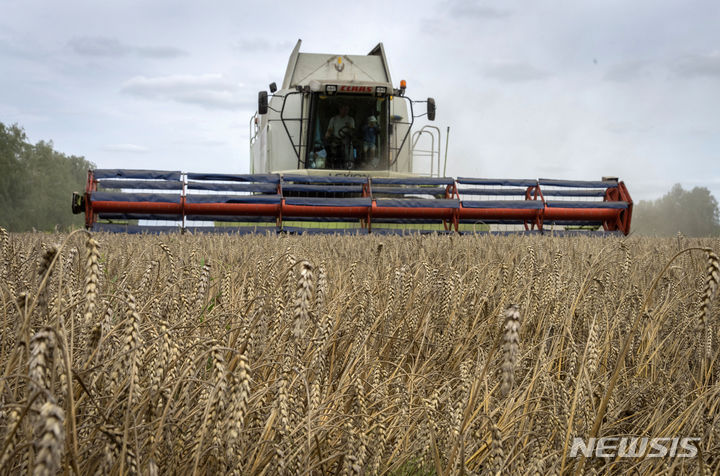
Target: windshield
{"x": 348, "y": 132}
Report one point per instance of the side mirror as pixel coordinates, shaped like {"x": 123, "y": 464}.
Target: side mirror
{"x": 78, "y": 203}
{"x": 262, "y": 102}
{"x": 431, "y": 109}
{"x": 273, "y": 87}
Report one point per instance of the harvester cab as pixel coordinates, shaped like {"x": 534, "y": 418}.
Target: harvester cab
{"x": 333, "y": 150}
{"x": 335, "y": 113}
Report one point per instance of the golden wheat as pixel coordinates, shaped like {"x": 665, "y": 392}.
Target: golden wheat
{"x": 355, "y": 355}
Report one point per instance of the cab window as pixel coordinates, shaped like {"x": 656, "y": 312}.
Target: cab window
{"x": 348, "y": 132}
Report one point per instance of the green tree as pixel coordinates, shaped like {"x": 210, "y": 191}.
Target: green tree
{"x": 36, "y": 183}
{"x": 691, "y": 212}
{"x": 13, "y": 175}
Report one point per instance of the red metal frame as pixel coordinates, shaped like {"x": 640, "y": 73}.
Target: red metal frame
{"x": 90, "y": 187}
{"x": 535, "y": 189}
{"x": 612, "y": 219}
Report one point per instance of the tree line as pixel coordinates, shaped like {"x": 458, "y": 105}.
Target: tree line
{"x": 36, "y": 183}
{"x": 690, "y": 212}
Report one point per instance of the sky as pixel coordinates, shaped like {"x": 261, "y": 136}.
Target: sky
{"x": 530, "y": 89}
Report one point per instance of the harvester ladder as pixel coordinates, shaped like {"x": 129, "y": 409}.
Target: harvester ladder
{"x": 432, "y": 132}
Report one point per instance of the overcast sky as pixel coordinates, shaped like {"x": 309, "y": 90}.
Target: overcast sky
{"x": 555, "y": 89}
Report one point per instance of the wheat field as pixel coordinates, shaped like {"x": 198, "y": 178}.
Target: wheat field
{"x": 217, "y": 354}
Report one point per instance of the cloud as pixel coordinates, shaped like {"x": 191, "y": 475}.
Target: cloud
{"x": 464, "y": 9}
{"x": 211, "y": 91}
{"x": 159, "y": 51}
{"x": 26, "y": 48}
{"x": 513, "y": 71}
{"x": 707, "y": 65}
{"x": 262, "y": 45}
{"x": 628, "y": 128}
{"x": 100, "y": 46}
{"x": 628, "y": 70}
{"x": 127, "y": 148}
{"x": 447, "y": 13}
{"x": 212, "y": 99}
{"x": 143, "y": 85}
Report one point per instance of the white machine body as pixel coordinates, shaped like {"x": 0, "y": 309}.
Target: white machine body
{"x": 294, "y": 134}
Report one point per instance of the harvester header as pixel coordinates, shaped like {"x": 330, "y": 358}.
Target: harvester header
{"x": 335, "y": 149}
{"x": 274, "y": 202}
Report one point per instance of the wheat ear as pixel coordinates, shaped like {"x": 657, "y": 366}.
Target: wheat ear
{"x": 511, "y": 347}
{"x": 497, "y": 455}
{"x": 92, "y": 257}
{"x": 240, "y": 386}
{"x": 44, "y": 263}
{"x": 50, "y": 443}
{"x": 303, "y": 295}
{"x": 711, "y": 284}
{"x": 42, "y": 346}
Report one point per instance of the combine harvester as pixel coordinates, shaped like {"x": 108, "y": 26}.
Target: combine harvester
{"x": 334, "y": 150}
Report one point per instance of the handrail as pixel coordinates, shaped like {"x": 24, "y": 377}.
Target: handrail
{"x": 416, "y": 137}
